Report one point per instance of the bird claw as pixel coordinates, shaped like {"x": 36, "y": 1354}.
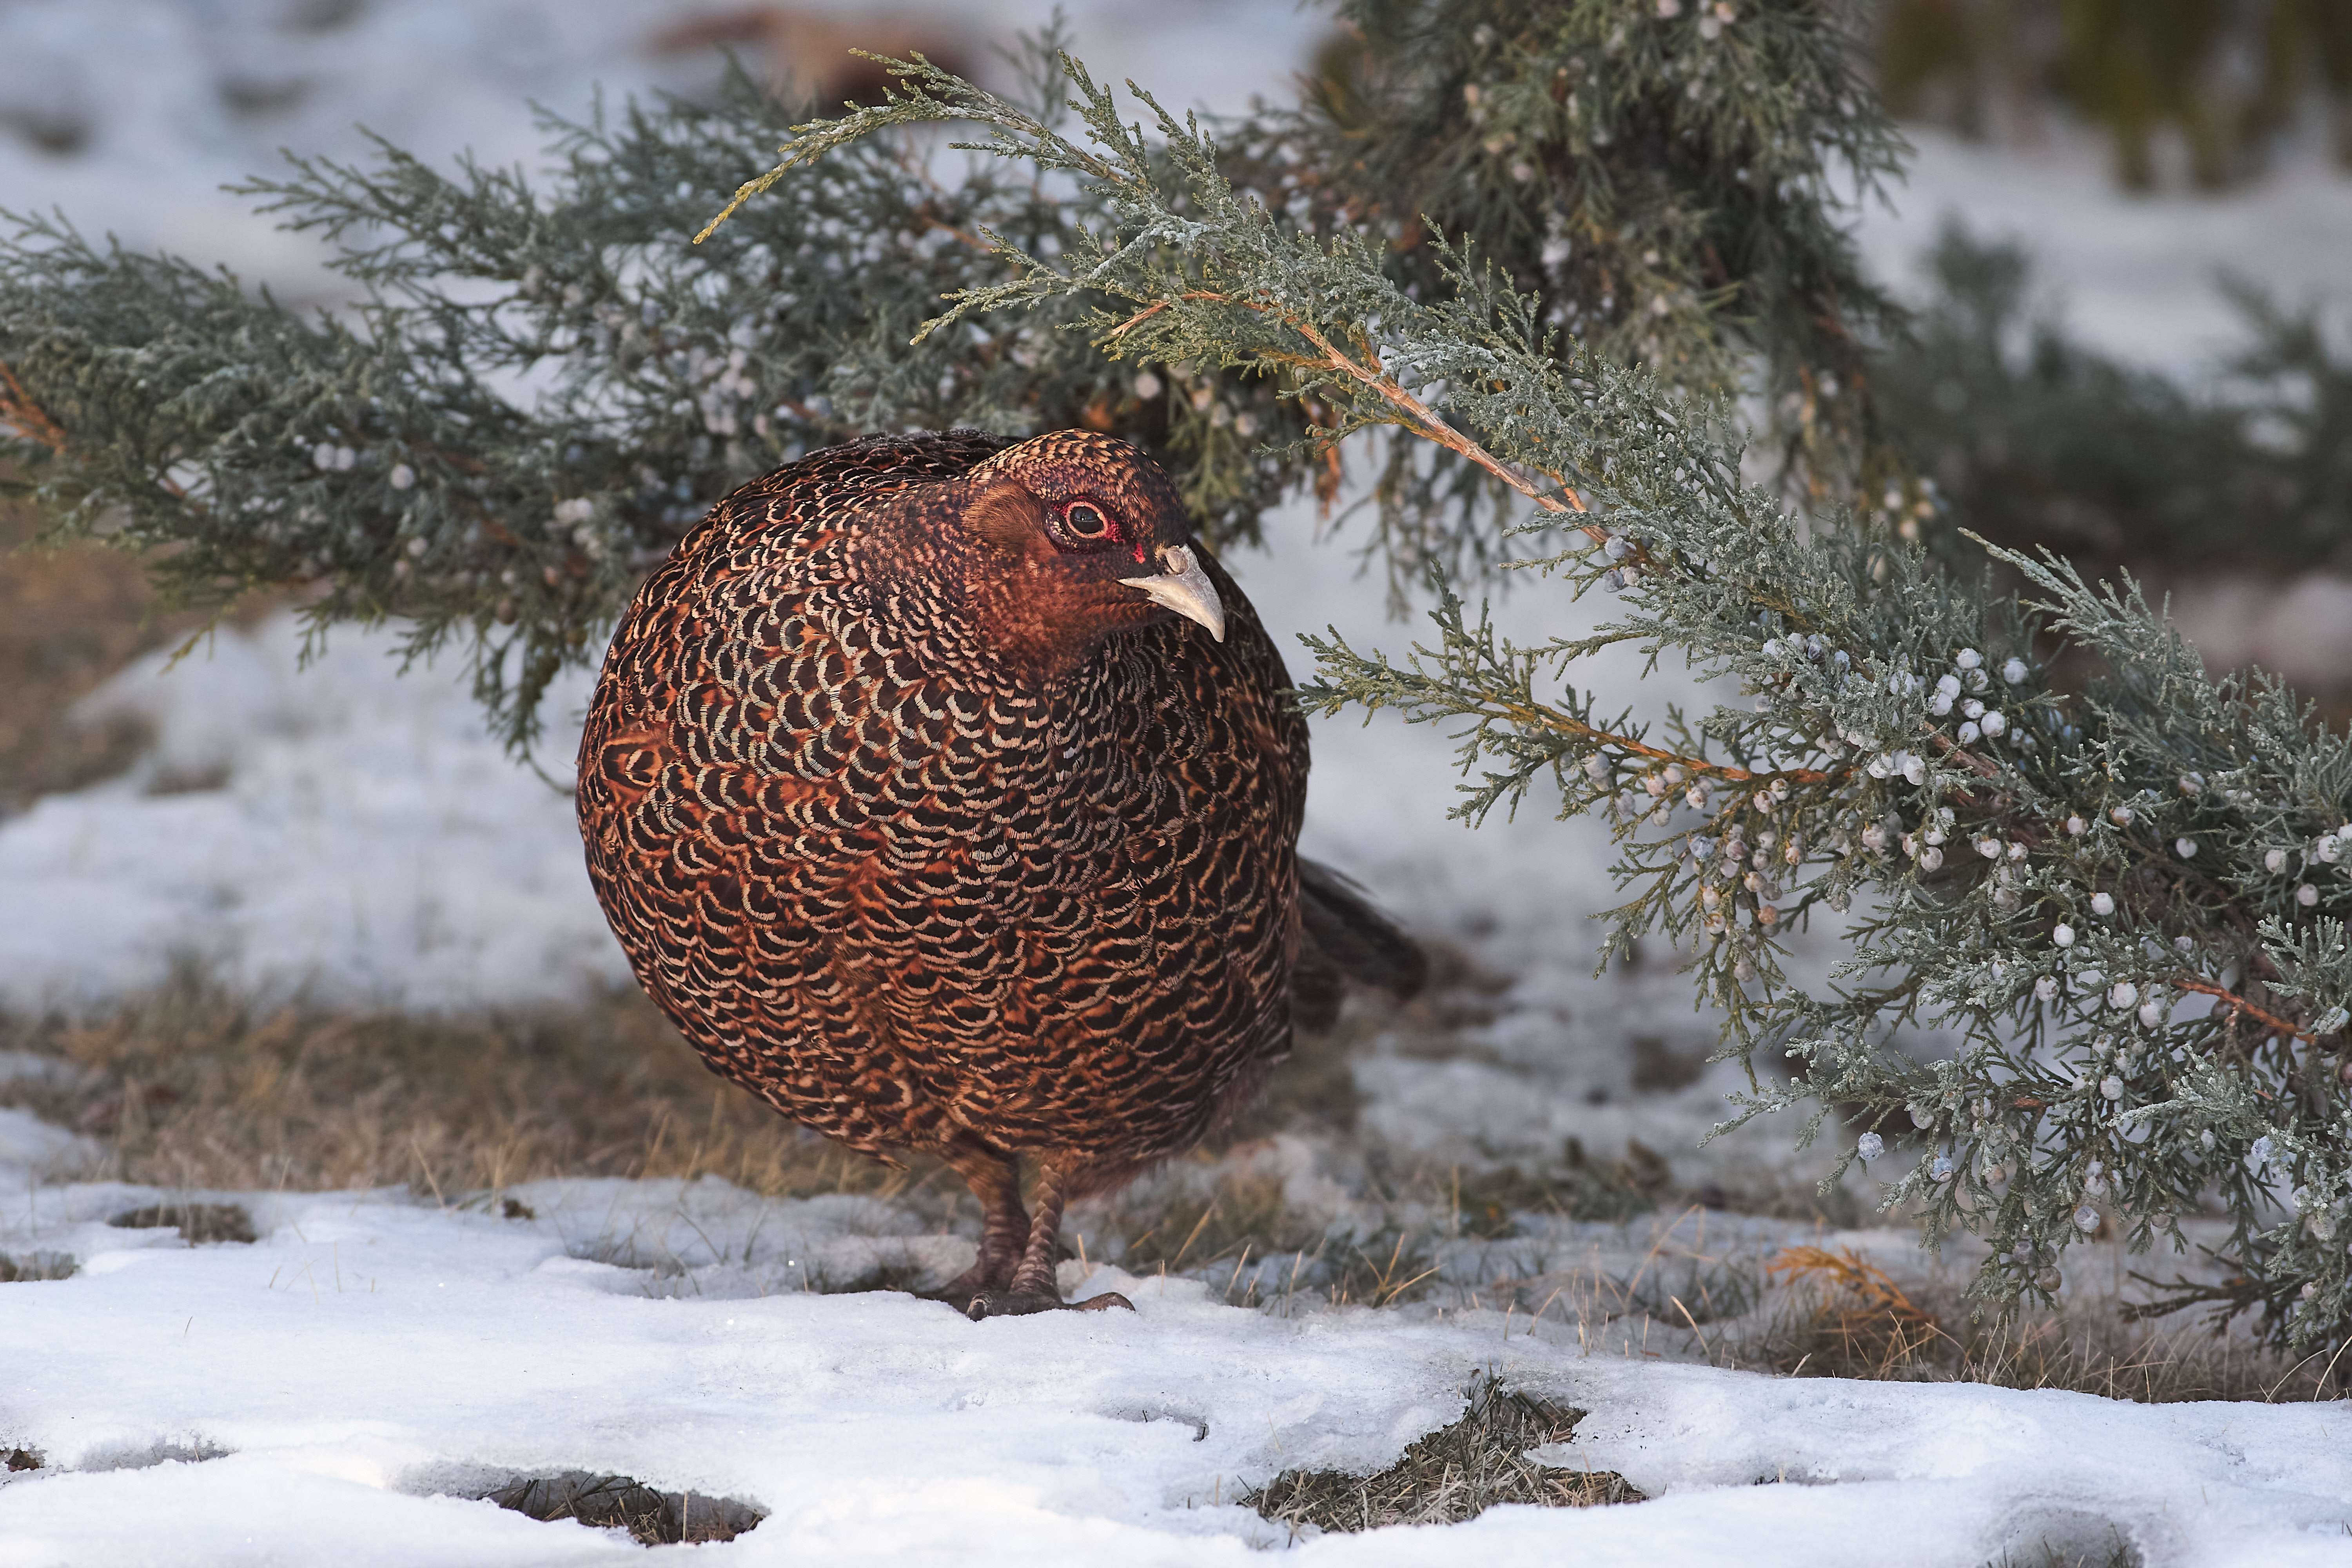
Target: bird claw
{"x": 1021, "y": 1303}
{"x": 973, "y": 1281}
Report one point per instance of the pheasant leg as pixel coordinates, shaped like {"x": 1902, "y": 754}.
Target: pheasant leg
{"x": 1031, "y": 1287}
{"x": 995, "y": 1181}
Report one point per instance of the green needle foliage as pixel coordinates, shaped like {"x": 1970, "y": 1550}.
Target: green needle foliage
{"x": 2034, "y": 439}
{"x": 2124, "y": 902}
{"x": 1664, "y": 180}
{"x": 545, "y": 383}
{"x": 389, "y": 462}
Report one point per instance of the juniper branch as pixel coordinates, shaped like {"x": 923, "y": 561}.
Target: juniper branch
{"x": 2114, "y": 855}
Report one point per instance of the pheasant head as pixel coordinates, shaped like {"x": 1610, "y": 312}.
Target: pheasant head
{"x": 1051, "y": 546}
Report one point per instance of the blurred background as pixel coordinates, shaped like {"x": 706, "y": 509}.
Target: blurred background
{"x": 2125, "y": 231}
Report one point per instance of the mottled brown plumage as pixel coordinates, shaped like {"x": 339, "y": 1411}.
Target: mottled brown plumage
{"x": 929, "y": 830}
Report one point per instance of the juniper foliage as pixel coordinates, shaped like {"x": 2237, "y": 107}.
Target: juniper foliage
{"x": 1671, "y": 184}
{"x": 2125, "y": 902}
{"x": 2033, "y": 438}
{"x": 544, "y": 384}
{"x": 382, "y": 461}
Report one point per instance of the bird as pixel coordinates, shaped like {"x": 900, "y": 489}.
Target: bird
{"x": 943, "y": 791}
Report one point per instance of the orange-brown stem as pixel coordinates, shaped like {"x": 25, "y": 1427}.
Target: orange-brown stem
{"x": 17, "y": 408}
{"x": 2238, "y": 1002}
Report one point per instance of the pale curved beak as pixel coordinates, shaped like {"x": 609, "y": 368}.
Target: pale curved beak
{"x": 1185, "y": 588}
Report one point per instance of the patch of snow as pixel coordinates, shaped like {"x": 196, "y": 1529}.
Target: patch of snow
{"x": 28, "y": 1067}
{"x": 367, "y": 840}
{"x": 31, "y": 1149}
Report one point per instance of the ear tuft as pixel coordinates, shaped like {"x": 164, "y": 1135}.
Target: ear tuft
{"x": 1005, "y": 517}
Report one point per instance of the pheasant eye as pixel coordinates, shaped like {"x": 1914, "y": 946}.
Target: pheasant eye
{"x": 1087, "y": 522}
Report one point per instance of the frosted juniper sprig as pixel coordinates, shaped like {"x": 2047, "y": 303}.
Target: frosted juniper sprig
{"x": 172, "y": 410}
{"x": 533, "y": 346}
{"x": 2100, "y": 893}
{"x": 1669, "y": 184}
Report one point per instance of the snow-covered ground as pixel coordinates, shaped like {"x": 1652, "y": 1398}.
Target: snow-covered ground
{"x": 336, "y": 1390}
{"x": 325, "y": 1392}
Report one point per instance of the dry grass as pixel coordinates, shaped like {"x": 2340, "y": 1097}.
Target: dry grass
{"x": 1485, "y": 1202}
{"x": 190, "y": 1087}
{"x": 2118, "y": 1554}
{"x": 1242, "y": 1216}
{"x": 1838, "y": 1315}
{"x": 199, "y": 1224}
{"x": 651, "y": 1518}
{"x": 1453, "y": 1474}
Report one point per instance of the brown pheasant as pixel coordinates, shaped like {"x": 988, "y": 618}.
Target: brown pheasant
{"x": 940, "y": 791}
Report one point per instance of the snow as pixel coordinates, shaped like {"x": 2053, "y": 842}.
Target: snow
{"x": 369, "y": 1354}
{"x": 325, "y": 1392}
{"x": 169, "y": 99}
{"x": 365, "y": 837}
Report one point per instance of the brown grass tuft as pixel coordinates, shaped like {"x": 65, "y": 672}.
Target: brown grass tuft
{"x": 1841, "y": 1316}
{"x": 199, "y": 1225}
{"x": 651, "y": 1518}
{"x": 1453, "y": 1474}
